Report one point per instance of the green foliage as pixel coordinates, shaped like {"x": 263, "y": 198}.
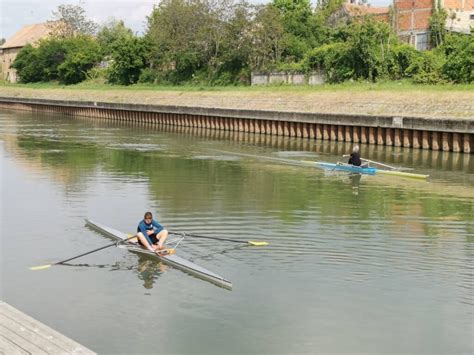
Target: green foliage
{"x": 41, "y": 63}
{"x": 112, "y": 32}
{"x": 82, "y": 53}
{"x": 267, "y": 36}
{"x": 210, "y": 42}
{"x": 66, "y": 60}
{"x": 426, "y": 69}
{"x": 26, "y": 65}
{"x": 437, "y": 25}
{"x": 362, "y": 51}
{"x": 128, "y": 60}
{"x": 333, "y": 59}
{"x": 299, "y": 26}
{"x": 459, "y": 51}
{"x": 402, "y": 56}
{"x": 177, "y": 38}
{"x": 370, "y": 44}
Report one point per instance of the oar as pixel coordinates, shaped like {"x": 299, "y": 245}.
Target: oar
{"x": 42, "y": 267}
{"x": 250, "y": 242}
{"x": 375, "y": 162}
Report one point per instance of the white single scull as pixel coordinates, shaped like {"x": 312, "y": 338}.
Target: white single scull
{"x": 171, "y": 259}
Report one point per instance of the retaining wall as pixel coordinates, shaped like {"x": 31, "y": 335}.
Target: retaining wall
{"x": 456, "y": 135}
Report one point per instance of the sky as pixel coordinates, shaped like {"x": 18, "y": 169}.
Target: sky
{"x": 14, "y": 14}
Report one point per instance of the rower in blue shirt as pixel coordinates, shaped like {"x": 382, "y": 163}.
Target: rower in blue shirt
{"x": 151, "y": 234}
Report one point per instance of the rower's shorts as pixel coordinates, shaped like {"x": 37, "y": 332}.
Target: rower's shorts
{"x": 152, "y": 237}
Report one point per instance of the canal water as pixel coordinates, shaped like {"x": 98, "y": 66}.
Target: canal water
{"x": 355, "y": 264}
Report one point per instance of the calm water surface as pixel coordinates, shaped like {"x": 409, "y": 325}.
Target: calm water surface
{"x": 355, "y": 264}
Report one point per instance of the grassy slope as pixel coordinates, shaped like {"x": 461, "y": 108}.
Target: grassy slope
{"x": 386, "y": 98}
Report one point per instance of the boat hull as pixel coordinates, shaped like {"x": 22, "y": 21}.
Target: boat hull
{"x": 172, "y": 260}
{"x": 348, "y": 167}
{"x": 369, "y": 170}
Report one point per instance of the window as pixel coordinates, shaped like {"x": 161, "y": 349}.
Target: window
{"x": 422, "y": 41}
{"x": 471, "y": 17}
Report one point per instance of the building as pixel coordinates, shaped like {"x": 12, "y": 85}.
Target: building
{"x": 412, "y": 21}
{"x": 352, "y": 10}
{"x": 9, "y": 50}
{"x": 460, "y": 15}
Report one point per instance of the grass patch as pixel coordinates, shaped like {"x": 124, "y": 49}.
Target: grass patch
{"x": 396, "y": 86}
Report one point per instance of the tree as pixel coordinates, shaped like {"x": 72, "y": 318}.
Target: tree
{"x": 82, "y": 53}
{"x": 437, "y": 25}
{"x": 71, "y": 20}
{"x": 177, "y": 38}
{"x": 267, "y": 34}
{"x": 299, "y": 27}
{"x": 2, "y": 41}
{"x": 128, "y": 60}
{"x": 111, "y": 33}
{"x": 459, "y": 51}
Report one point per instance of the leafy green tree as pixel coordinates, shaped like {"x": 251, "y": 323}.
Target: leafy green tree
{"x": 267, "y": 35}
{"x": 26, "y": 65}
{"x": 370, "y": 45}
{"x": 437, "y": 25}
{"x": 40, "y": 64}
{"x": 299, "y": 27}
{"x": 459, "y": 51}
{"x": 177, "y": 37}
{"x": 112, "y": 32}
{"x": 333, "y": 59}
{"x": 2, "y": 41}
{"x": 71, "y": 20}
{"x": 233, "y": 59}
{"x": 128, "y": 60}
{"x": 82, "y": 54}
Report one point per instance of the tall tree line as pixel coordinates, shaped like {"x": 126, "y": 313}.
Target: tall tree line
{"x": 220, "y": 42}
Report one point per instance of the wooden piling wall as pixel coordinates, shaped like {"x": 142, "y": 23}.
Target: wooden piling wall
{"x": 455, "y": 135}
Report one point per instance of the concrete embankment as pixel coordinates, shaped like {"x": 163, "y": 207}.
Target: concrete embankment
{"x": 454, "y": 134}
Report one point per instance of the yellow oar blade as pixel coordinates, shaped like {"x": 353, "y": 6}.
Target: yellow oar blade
{"x": 40, "y": 267}
{"x": 257, "y": 244}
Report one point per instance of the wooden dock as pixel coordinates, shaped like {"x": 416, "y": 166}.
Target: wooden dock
{"x": 21, "y": 334}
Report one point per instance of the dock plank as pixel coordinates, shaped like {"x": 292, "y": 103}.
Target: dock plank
{"x": 9, "y": 347}
{"x": 29, "y": 335}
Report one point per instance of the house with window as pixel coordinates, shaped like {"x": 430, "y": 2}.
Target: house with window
{"x": 30, "y": 34}
{"x": 460, "y": 15}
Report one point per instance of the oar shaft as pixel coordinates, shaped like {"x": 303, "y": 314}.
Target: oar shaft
{"x": 381, "y": 164}
{"x": 93, "y": 251}
{"x": 208, "y": 237}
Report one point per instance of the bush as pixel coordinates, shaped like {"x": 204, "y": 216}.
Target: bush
{"x": 26, "y": 65}
{"x": 426, "y": 69}
{"x": 147, "y": 75}
{"x": 333, "y": 59}
{"x": 128, "y": 60}
{"x": 459, "y": 65}
{"x": 82, "y": 54}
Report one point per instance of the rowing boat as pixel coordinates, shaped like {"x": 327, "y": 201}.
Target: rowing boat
{"x": 368, "y": 170}
{"x": 172, "y": 259}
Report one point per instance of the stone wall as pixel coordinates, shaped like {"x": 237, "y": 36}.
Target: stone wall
{"x": 287, "y": 78}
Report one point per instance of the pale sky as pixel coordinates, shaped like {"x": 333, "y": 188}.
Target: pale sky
{"x": 14, "y": 14}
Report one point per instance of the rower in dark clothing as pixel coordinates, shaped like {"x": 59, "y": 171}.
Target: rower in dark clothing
{"x": 355, "y": 157}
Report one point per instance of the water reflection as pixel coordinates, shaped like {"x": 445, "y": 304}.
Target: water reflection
{"x": 149, "y": 270}
{"x": 355, "y": 183}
